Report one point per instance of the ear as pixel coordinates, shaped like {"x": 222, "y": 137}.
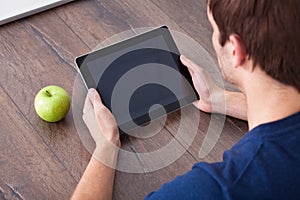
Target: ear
{"x": 238, "y": 51}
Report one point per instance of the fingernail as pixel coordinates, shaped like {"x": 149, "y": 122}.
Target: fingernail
{"x": 91, "y": 93}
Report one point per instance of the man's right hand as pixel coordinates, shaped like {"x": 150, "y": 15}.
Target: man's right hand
{"x": 214, "y": 99}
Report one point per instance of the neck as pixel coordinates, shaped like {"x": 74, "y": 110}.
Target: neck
{"x": 269, "y": 100}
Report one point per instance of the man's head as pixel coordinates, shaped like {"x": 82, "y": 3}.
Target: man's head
{"x": 267, "y": 32}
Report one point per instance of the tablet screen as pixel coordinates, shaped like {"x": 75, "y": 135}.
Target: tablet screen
{"x": 139, "y": 77}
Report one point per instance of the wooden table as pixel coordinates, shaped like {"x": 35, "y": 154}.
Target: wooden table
{"x": 40, "y": 160}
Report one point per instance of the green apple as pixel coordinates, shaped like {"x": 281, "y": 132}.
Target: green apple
{"x": 52, "y": 103}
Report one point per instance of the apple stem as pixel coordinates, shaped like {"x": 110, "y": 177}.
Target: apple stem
{"x": 48, "y": 93}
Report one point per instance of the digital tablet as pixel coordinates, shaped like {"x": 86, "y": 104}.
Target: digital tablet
{"x": 139, "y": 79}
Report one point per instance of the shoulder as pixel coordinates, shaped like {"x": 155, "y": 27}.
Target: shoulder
{"x": 262, "y": 165}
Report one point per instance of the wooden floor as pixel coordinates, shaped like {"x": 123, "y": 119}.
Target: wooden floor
{"x": 39, "y": 160}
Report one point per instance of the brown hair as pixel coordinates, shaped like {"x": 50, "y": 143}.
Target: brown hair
{"x": 270, "y": 30}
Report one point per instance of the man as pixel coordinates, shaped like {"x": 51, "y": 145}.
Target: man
{"x": 257, "y": 43}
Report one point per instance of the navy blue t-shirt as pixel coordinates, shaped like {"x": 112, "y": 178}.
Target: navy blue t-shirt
{"x": 264, "y": 164}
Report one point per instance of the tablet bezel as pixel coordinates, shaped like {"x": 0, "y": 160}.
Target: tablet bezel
{"x": 163, "y": 31}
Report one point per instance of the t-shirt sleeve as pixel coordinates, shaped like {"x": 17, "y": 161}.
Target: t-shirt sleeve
{"x": 195, "y": 184}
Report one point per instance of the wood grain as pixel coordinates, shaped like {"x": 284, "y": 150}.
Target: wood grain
{"x": 36, "y": 65}
{"x": 91, "y": 22}
{"x": 29, "y": 169}
{"x": 192, "y": 18}
{"x": 40, "y": 160}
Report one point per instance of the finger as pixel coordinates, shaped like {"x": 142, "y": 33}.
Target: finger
{"x": 96, "y": 97}
{"x": 196, "y": 103}
{"x": 106, "y": 122}
{"x": 88, "y": 104}
{"x": 191, "y": 71}
{"x": 188, "y": 63}
{"x": 99, "y": 108}
{"x": 103, "y": 114}
{"x": 194, "y": 69}
{"x": 101, "y": 111}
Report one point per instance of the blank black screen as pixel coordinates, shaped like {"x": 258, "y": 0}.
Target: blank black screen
{"x": 107, "y": 70}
